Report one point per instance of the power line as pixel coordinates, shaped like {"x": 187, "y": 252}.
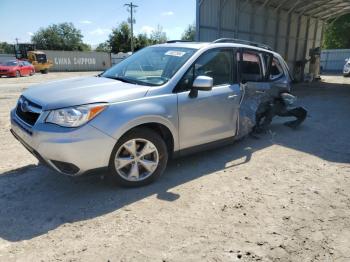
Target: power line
{"x": 131, "y": 20}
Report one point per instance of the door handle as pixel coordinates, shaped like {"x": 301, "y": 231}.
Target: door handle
{"x": 231, "y": 96}
{"x": 260, "y": 92}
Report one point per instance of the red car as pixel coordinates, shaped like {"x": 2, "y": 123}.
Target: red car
{"x": 16, "y": 68}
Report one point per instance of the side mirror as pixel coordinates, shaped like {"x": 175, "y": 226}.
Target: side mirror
{"x": 202, "y": 83}
{"x": 346, "y": 59}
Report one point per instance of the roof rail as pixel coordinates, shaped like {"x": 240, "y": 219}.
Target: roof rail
{"x": 177, "y": 41}
{"x": 241, "y": 41}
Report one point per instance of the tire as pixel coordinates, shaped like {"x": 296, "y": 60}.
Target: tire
{"x": 45, "y": 71}
{"x": 18, "y": 74}
{"x": 32, "y": 72}
{"x": 156, "y": 161}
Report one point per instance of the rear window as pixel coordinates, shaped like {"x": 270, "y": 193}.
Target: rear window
{"x": 251, "y": 67}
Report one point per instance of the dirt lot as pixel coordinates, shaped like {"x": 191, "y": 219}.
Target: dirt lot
{"x": 283, "y": 197}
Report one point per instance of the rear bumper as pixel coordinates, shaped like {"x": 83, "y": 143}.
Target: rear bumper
{"x": 70, "y": 151}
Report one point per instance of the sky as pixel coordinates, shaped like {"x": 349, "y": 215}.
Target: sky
{"x": 95, "y": 19}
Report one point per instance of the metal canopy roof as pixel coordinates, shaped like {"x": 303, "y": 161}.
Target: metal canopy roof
{"x": 320, "y": 9}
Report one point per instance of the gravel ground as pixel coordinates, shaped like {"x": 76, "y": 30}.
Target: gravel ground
{"x": 283, "y": 197}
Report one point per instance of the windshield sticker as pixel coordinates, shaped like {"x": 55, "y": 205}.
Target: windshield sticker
{"x": 175, "y": 53}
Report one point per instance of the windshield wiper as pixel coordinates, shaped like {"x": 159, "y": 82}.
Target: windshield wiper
{"x": 129, "y": 80}
{"x": 100, "y": 74}
{"x": 122, "y": 79}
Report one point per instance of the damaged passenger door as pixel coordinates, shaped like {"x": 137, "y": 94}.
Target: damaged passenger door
{"x": 254, "y": 74}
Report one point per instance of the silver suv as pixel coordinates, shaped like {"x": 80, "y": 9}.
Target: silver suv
{"x": 163, "y": 101}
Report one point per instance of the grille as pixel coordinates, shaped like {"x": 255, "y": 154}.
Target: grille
{"x": 3, "y": 70}
{"x": 28, "y": 111}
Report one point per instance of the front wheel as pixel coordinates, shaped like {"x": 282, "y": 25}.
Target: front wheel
{"x": 138, "y": 158}
{"x": 45, "y": 71}
{"x": 18, "y": 74}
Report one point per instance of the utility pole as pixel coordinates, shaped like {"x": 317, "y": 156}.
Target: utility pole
{"x": 131, "y": 19}
{"x": 16, "y": 40}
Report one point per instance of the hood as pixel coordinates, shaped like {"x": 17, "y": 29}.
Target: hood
{"x": 85, "y": 90}
{"x": 3, "y": 67}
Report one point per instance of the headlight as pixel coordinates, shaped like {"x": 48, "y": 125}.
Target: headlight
{"x": 74, "y": 116}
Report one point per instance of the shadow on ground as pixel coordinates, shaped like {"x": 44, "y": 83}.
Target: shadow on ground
{"x": 35, "y": 200}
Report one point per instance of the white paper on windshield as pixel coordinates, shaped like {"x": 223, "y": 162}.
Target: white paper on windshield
{"x": 175, "y": 53}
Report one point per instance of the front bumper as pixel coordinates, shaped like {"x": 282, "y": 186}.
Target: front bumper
{"x": 70, "y": 151}
{"x": 8, "y": 73}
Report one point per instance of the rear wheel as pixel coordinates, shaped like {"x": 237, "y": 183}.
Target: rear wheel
{"x": 45, "y": 71}
{"x": 32, "y": 72}
{"x": 138, "y": 158}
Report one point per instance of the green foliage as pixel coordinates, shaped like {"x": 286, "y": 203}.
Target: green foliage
{"x": 337, "y": 34}
{"x": 158, "y": 36}
{"x": 103, "y": 47}
{"x": 62, "y": 36}
{"x": 141, "y": 41}
{"x": 6, "y": 48}
{"x": 119, "y": 39}
{"x": 190, "y": 33}
{"x": 84, "y": 47}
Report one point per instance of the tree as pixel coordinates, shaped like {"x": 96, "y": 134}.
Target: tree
{"x": 62, "y": 36}
{"x": 141, "y": 41}
{"x": 6, "y": 48}
{"x": 103, "y": 47}
{"x": 158, "y": 36}
{"x": 190, "y": 33}
{"x": 337, "y": 33}
{"x": 85, "y": 47}
{"x": 119, "y": 39}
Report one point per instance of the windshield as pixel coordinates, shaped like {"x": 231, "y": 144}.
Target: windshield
{"x": 41, "y": 58}
{"x": 152, "y": 66}
{"x": 10, "y": 63}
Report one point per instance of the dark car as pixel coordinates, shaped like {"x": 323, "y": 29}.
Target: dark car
{"x": 16, "y": 68}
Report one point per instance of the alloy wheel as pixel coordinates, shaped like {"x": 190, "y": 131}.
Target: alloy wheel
{"x": 136, "y": 159}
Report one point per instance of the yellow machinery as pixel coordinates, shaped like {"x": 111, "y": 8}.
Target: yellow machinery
{"x": 37, "y": 58}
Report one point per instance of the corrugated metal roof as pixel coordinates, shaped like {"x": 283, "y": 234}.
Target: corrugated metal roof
{"x": 321, "y": 9}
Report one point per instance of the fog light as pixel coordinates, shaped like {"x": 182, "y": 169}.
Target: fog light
{"x": 64, "y": 167}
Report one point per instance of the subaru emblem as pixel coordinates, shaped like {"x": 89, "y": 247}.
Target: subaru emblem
{"x": 25, "y": 106}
